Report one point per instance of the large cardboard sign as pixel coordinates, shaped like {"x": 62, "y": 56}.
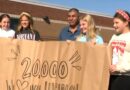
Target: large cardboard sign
{"x": 53, "y": 65}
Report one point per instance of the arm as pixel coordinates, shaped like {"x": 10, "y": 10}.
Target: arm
{"x": 37, "y": 36}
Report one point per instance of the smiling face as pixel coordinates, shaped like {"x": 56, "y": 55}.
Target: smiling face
{"x": 5, "y": 23}
{"x": 119, "y": 25}
{"x": 24, "y": 21}
{"x": 73, "y": 18}
{"x": 83, "y": 26}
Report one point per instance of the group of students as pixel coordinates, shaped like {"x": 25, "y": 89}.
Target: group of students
{"x": 84, "y": 30}
{"x": 24, "y": 30}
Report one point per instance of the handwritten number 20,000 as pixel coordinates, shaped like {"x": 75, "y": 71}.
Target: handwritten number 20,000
{"x": 55, "y": 69}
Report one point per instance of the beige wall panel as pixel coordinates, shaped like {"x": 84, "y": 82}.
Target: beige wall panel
{"x": 48, "y": 31}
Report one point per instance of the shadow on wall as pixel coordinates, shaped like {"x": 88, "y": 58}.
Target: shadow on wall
{"x": 46, "y": 19}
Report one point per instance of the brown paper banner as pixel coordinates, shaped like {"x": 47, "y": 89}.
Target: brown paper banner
{"x": 53, "y": 65}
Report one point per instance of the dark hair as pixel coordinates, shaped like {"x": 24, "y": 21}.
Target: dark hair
{"x": 3, "y": 16}
{"x": 118, "y": 15}
{"x": 74, "y": 9}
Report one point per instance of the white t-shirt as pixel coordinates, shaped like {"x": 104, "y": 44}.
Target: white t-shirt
{"x": 7, "y": 33}
{"x": 121, "y": 51}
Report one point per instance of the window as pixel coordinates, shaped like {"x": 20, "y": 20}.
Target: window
{"x": 14, "y": 23}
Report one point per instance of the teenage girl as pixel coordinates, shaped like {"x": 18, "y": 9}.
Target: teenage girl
{"x": 89, "y": 31}
{"x": 120, "y": 67}
{"x": 25, "y": 28}
{"x": 5, "y": 30}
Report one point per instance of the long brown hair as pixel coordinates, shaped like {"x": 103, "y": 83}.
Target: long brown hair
{"x": 30, "y": 27}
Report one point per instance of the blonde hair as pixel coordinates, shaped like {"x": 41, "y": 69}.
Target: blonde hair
{"x": 91, "y": 31}
{"x": 30, "y": 27}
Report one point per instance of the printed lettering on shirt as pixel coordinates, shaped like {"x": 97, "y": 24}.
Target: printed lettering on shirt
{"x": 26, "y": 36}
{"x": 119, "y": 46}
